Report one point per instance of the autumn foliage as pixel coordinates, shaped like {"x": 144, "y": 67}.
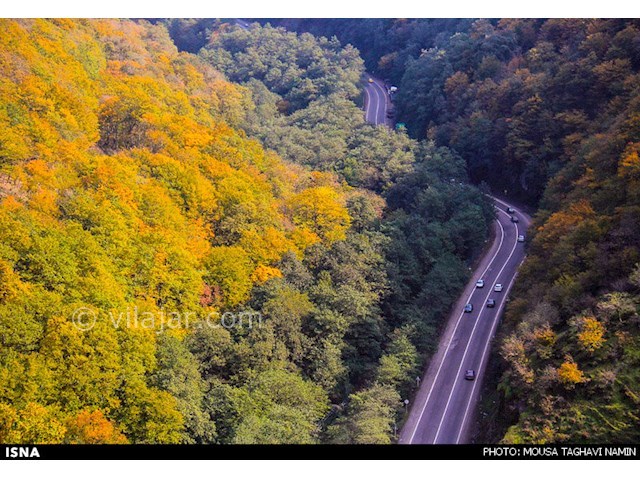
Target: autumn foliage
{"x": 137, "y": 179}
{"x": 125, "y": 182}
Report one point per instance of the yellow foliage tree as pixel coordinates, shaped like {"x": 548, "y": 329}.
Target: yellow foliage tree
{"x": 229, "y": 271}
{"x": 570, "y": 374}
{"x": 321, "y": 210}
{"x": 630, "y": 161}
{"x": 561, "y": 223}
{"x": 34, "y": 423}
{"x": 545, "y": 340}
{"x": 591, "y": 336}
{"x": 303, "y": 238}
{"x": 94, "y": 428}
{"x": 124, "y": 182}
{"x": 264, "y": 273}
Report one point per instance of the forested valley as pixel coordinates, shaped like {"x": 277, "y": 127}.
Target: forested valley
{"x": 194, "y": 165}
{"x": 238, "y": 176}
{"x": 546, "y": 112}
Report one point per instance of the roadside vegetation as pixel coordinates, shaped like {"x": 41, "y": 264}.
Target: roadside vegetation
{"x": 546, "y": 112}
{"x": 137, "y": 177}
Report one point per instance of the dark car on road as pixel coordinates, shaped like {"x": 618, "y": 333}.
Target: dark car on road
{"x": 491, "y": 303}
{"x": 468, "y": 308}
{"x": 470, "y": 375}
{"x": 514, "y": 219}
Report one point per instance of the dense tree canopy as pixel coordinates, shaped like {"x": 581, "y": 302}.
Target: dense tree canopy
{"x": 137, "y": 180}
{"x": 124, "y": 187}
{"x": 300, "y": 68}
{"x": 544, "y": 111}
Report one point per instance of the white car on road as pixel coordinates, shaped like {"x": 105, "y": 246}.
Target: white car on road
{"x": 480, "y": 284}
{"x": 498, "y": 287}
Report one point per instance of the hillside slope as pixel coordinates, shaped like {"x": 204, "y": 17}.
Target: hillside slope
{"x": 166, "y": 278}
{"x": 546, "y": 112}
{"x": 124, "y": 187}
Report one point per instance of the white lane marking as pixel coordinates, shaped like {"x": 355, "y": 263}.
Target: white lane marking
{"x": 491, "y": 334}
{"x": 367, "y": 104}
{"x": 484, "y": 352}
{"x": 375, "y": 120}
{"x": 466, "y": 350}
{"x": 455, "y": 329}
{"x": 378, "y": 90}
{"x": 384, "y": 96}
{"x": 524, "y": 215}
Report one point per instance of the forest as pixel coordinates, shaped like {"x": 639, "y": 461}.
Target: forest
{"x": 238, "y": 179}
{"x": 546, "y": 112}
{"x": 190, "y": 165}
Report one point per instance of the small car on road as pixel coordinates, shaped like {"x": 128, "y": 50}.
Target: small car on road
{"x": 470, "y": 375}
{"x": 468, "y": 308}
{"x": 480, "y": 284}
{"x": 498, "y": 287}
{"x": 514, "y": 219}
{"x": 510, "y": 210}
{"x": 491, "y": 303}
{"x": 371, "y": 80}
{"x": 521, "y": 238}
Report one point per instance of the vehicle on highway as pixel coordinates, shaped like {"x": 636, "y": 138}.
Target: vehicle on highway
{"x": 391, "y": 112}
{"x": 371, "y": 80}
{"x": 498, "y": 287}
{"x": 521, "y": 238}
{"x": 470, "y": 375}
{"x": 514, "y": 219}
{"x": 480, "y": 284}
{"x": 510, "y": 210}
{"x": 491, "y": 303}
{"x": 468, "y": 308}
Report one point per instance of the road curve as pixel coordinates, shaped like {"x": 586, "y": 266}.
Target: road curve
{"x": 443, "y": 408}
{"x": 446, "y": 402}
{"x": 243, "y": 24}
{"x": 376, "y": 102}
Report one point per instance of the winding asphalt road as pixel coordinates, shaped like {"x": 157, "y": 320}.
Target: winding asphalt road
{"x": 376, "y": 102}
{"x": 243, "y": 24}
{"x": 444, "y": 406}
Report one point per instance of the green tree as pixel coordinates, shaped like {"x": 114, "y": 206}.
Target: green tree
{"x": 369, "y": 419}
